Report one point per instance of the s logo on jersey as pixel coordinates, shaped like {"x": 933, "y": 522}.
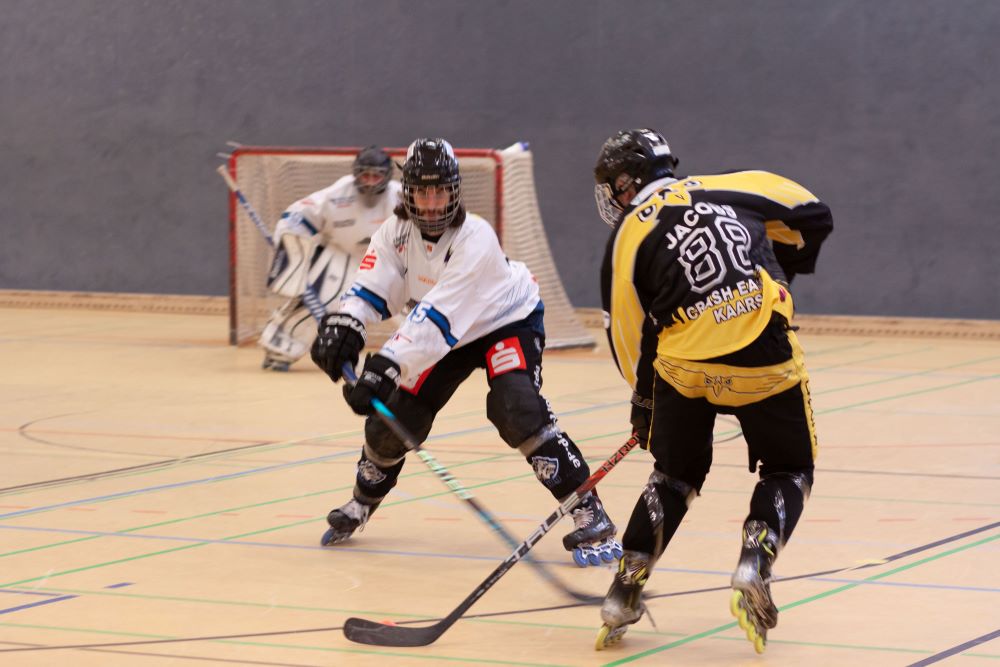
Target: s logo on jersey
{"x": 504, "y": 357}
{"x": 368, "y": 262}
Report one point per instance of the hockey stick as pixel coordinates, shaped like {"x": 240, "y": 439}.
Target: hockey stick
{"x": 400, "y": 431}
{"x": 309, "y": 297}
{"x": 379, "y": 634}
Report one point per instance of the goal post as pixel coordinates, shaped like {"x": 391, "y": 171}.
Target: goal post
{"x": 498, "y": 185}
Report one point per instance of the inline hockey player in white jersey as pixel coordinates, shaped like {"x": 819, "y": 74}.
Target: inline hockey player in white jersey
{"x": 471, "y": 308}
{"x": 319, "y": 241}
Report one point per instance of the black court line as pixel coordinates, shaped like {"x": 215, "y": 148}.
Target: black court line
{"x": 107, "y": 473}
{"x": 515, "y": 612}
{"x": 972, "y": 643}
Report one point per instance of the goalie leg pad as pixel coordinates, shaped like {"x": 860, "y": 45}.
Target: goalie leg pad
{"x": 290, "y": 266}
{"x": 289, "y": 333}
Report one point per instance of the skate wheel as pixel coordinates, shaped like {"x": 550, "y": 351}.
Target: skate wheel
{"x": 759, "y": 644}
{"x": 607, "y": 555}
{"x": 327, "y": 537}
{"x": 735, "y": 604}
{"x": 617, "y": 552}
{"x": 608, "y": 636}
{"x": 593, "y": 559}
{"x": 751, "y": 633}
{"x": 579, "y": 557}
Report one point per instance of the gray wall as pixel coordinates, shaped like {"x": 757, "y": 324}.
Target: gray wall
{"x": 111, "y": 112}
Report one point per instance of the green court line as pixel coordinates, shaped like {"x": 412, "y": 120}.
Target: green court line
{"x": 252, "y": 533}
{"x": 915, "y": 392}
{"x": 866, "y": 360}
{"x": 806, "y": 600}
{"x": 914, "y": 374}
{"x": 593, "y": 437}
{"x": 263, "y": 448}
{"x": 301, "y": 647}
{"x": 485, "y": 621}
{"x": 238, "y": 508}
{"x": 299, "y": 496}
{"x": 815, "y": 496}
{"x": 187, "y": 460}
{"x": 882, "y": 399}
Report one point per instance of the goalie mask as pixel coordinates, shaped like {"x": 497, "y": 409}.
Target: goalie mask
{"x": 432, "y": 186}
{"x": 372, "y": 170}
{"x": 631, "y": 158}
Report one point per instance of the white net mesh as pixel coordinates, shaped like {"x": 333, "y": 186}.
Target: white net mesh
{"x": 499, "y": 186}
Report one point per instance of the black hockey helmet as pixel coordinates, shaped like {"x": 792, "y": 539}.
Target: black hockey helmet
{"x": 372, "y": 170}
{"x": 432, "y": 169}
{"x": 630, "y": 158}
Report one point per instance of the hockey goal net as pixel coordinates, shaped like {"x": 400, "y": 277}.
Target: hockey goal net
{"x": 498, "y": 185}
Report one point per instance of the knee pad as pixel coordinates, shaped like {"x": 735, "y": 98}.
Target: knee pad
{"x": 657, "y": 514}
{"x": 516, "y": 408}
{"x": 779, "y": 498}
{"x": 803, "y": 479}
{"x": 666, "y": 484}
{"x": 381, "y": 444}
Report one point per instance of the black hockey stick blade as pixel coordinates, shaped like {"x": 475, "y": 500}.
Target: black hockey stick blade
{"x": 364, "y": 631}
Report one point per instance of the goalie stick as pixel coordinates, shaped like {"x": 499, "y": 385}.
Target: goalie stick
{"x": 364, "y": 631}
{"x": 309, "y": 297}
{"x": 389, "y": 419}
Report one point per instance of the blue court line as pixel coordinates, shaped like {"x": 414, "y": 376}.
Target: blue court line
{"x": 37, "y": 604}
{"x": 459, "y": 556}
{"x": 243, "y": 473}
{"x": 177, "y": 485}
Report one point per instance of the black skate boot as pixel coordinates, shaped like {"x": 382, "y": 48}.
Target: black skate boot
{"x": 623, "y": 604}
{"x": 593, "y": 541}
{"x": 345, "y": 520}
{"x": 751, "y": 601}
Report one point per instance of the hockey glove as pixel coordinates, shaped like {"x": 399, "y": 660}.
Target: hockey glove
{"x": 340, "y": 340}
{"x": 378, "y": 379}
{"x": 642, "y": 419}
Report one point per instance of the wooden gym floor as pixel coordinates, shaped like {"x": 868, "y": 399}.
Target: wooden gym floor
{"x": 162, "y": 501}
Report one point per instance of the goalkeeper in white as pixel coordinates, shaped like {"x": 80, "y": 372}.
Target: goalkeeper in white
{"x": 471, "y": 308}
{"x": 319, "y": 241}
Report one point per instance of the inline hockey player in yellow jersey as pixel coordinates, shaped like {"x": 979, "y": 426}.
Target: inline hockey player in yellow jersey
{"x": 695, "y": 292}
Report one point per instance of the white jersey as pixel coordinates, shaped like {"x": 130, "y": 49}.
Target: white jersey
{"x": 337, "y": 216}
{"x": 460, "y": 287}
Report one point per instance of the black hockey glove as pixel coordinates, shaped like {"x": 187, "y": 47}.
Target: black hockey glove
{"x": 642, "y": 418}
{"x": 340, "y": 340}
{"x": 378, "y": 379}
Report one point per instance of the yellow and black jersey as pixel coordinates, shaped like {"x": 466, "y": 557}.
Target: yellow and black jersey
{"x": 698, "y": 266}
